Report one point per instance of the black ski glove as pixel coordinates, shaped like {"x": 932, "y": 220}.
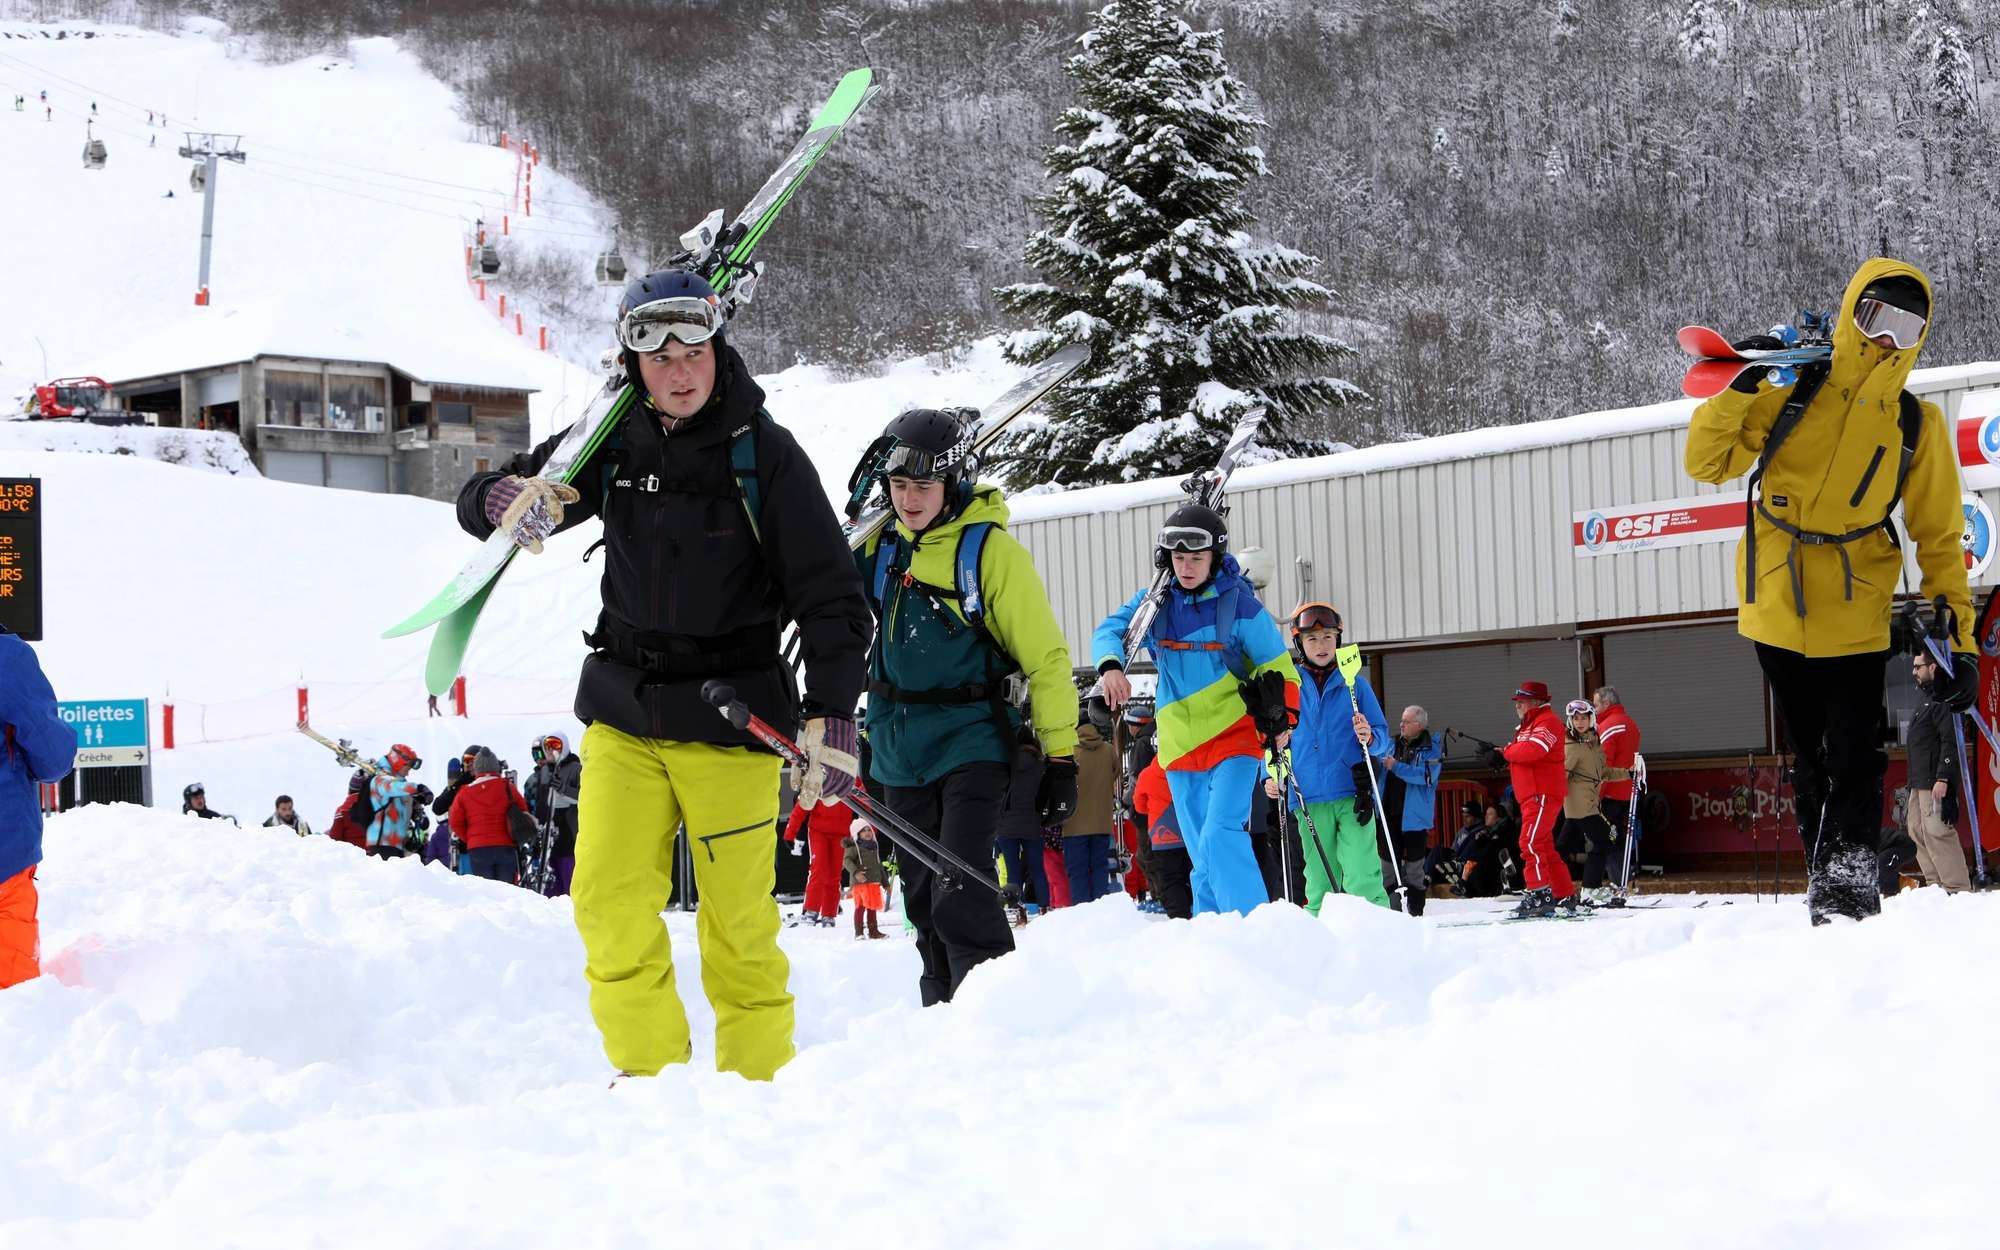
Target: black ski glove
{"x": 1959, "y": 691}
{"x": 1747, "y": 380}
{"x": 1494, "y": 760}
{"x": 1264, "y": 698}
{"x": 1364, "y": 796}
{"x": 1055, "y": 798}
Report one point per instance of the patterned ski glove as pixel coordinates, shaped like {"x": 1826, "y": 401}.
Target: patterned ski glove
{"x": 1055, "y": 798}
{"x": 1052, "y": 840}
{"x": 830, "y": 745}
{"x": 528, "y": 508}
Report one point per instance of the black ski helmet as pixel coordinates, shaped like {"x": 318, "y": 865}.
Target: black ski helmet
{"x": 1192, "y": 527}
{"x": 935, "y": 445}
{"x": 658, "y": 285}
{"x": 1899, "y": 291}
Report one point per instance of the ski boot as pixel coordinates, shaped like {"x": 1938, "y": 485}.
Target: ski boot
{"x": 1535, "y": 904}
{"x": 1567, "y": 905}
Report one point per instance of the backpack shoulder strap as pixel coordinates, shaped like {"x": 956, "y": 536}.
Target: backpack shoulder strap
{"x": 1910, "y": 421}
{"x": 971, "y": 546}
{"x": 1811, "y": 378}
{"x": 885, "y": 562}
{"x": 743, "y": 467}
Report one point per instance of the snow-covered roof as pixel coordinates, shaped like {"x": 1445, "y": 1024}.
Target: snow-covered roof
{"x": 201, "y": 338}
{"x": 1468, "y": 445}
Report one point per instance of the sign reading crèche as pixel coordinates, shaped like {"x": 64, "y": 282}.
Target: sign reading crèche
{"x": 21, "y": 556}
{"x": 108, "y": 731}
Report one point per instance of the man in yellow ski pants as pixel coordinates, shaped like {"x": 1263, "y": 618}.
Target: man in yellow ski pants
{"x": 716, "y": 530}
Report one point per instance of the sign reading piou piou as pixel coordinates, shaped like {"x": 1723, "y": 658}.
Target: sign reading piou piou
{"x": 21, "y": 556}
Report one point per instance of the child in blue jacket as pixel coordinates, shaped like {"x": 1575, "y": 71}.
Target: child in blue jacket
{"x": 35, "y": 747}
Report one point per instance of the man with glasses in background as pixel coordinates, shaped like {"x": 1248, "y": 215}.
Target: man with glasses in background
{"x": 716, "y": 532}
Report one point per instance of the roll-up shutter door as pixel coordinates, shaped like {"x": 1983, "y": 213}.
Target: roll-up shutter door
{"x": 1467, "y": 688}
{"x": 358, "y": 472}
{"x": 1692, "y": 691}
{"x": 307, "y": 468}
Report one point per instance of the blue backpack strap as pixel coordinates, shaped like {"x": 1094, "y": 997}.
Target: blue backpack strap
{"x": 972, "y": 545}
{"x": 1225, "y": 626}
{"x": 743, "y": 466}
{"x": 885, "y": 560}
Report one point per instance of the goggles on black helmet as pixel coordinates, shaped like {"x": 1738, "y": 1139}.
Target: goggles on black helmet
{"x": 1187, "y": 538}
{"x": 690, "y": 318}
{"x": 1875, "y": 318}
{"x": 919, "y": 465}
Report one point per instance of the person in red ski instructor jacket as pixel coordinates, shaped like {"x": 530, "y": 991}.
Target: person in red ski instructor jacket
{"x": 1534, "y": 761}
{"x": 825, "y": 827}
{"x": 1619, "y": 734}
{"x": 479, "y": 819}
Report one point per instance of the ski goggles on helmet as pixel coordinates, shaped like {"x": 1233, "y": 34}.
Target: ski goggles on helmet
{"x": 919, "y": 465}
{"x": 1186, "y": 538}
{"x": 552, "y": 745}
{"x": 1310, "y": 616}
{"x": 1577, "y": 707}
{"x": 690, "y": 318}
{"x": 1875, "y": 318}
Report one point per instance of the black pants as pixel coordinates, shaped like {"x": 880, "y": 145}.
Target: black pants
{"x": 956, "y": 929}
{"x": 1588, "y": 837}
{"x": 1833, "y": 714}
{"x": 1170, "y": 875}
{"x": 1275, "y": 853}
{"x": 1597, "y": 858}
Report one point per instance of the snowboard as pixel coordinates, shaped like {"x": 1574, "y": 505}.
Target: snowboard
{"x": 1718, "y": 364}
{"x": 1204, "y": 488}
{"x": 722, "y": 255}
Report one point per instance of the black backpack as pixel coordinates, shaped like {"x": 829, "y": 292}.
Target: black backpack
{"x": 362, "y": 811}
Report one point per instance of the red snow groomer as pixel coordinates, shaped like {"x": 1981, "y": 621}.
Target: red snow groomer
{"x": 71, "y": 397}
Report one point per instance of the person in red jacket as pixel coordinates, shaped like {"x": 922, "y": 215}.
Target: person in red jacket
{"x": 480, "y": 821}
{"x": 1534, "y": 760}
{"x": 1620, "y": 738}
{"x": 825, "y": 827}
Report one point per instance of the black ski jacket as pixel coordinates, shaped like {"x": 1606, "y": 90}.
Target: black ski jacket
{"x": 689, "y": 592}
{"x": 1933, "y": 747}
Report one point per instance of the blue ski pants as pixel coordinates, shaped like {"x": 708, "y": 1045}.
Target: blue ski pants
{"x": 1214, "y": 808}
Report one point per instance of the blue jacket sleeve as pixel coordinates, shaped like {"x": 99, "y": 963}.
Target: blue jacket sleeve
{"x": 1108, "y": 642}
{"x": 1423, "y": 770}
{"x": 28, "y": 707}
{"x": 1379, "y": 743}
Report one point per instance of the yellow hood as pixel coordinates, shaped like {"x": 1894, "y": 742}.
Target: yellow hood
{"x": 1868, "y": 373}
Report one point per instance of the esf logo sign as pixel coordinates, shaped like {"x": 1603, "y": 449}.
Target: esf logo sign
{"x": 1989, "y": 438}
{"x": 1651, "y": 525}
{"x": 1978, "y": 538}
{"x": 1593, "y": 531}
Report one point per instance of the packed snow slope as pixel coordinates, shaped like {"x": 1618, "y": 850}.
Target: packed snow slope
{"x": 345, "y": 227}
{"x": 249, "y": 1039}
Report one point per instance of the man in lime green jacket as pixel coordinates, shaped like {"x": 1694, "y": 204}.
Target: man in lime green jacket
{"x": 963, "y": 623}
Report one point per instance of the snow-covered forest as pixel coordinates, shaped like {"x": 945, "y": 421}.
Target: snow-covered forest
{"x": 1514, "y": 204}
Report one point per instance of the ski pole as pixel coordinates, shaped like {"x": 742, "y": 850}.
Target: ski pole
{"x": 1349, "y": 660}
{"x": 1288, "y": 785}
{"x": 1631, "y": 836}
{"x": 952, "y": 870}
{"x": 1941, "y": 621}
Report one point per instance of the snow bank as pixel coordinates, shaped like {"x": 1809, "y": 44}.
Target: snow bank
{"x": 212, "y": 451}
{"x": 249, "y": 1039}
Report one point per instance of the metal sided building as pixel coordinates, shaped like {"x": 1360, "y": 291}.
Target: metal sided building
{"x": 1574, "y": 551}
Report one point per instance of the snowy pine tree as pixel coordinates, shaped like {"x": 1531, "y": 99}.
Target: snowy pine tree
{"x": 1948, "y": 74}
{"x": 1146, "y": 255}
{"x": 1703, "y": 37}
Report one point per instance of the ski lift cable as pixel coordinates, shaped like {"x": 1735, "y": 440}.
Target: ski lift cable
{"x": 265, "y": 146}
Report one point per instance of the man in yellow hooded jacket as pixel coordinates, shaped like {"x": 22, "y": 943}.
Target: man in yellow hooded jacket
{"x": 1819, "y": 563}
{"x": 962, "y": 618}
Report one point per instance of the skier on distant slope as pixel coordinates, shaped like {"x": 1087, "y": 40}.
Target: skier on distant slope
{"x": 716, "y": 532}
{"x": 1820, "y": 559}
{"x": 962, "y": 611}
{"x": 1211, "y": 641}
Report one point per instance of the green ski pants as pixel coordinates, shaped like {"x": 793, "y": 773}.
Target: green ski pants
{"x": 1342, "y": 857}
